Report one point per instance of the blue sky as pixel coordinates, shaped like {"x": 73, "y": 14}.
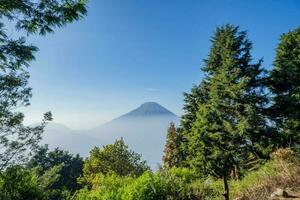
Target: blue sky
{"x": 126, "y": 52}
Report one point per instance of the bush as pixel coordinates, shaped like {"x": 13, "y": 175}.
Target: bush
{"x": 208, "y": 189}
{"x": 17, "y": 183}
{"x": 283, "y": 154}
{"x": 173, "y": 184}
{"x": 177, "y": 181}
{"x": 148, "y": 187}
{"x": 104, "y": 187}
{"x": 20, "y": 183}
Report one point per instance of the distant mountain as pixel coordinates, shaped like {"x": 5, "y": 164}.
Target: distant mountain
{"x": 143, "y": 129}
{"x": 58, "y": 135}
{"x": 148, "y": 109}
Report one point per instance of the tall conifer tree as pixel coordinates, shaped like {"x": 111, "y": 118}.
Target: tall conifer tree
{"x": 229, "y": 127}
{"x": 285, "y": 84}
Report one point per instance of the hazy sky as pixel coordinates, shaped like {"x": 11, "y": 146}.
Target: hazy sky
{"x": 126, "y": 52}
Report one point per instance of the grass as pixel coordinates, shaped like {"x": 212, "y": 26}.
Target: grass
{"x": 283, "y": 171}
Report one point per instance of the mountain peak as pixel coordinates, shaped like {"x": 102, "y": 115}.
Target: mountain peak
{"x": 151, "y": 105}
{"x": 149, "y": 109}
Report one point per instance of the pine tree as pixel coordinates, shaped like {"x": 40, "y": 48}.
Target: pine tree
{"x": 229, "y": 128}
{"x": 285, "y": 85}
{"x": 172, "y": 156}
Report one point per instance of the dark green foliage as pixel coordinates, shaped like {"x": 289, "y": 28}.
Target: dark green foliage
{"x": 48, "y": 175}
{"x": 15, "y": 55}
{"x": 116, "y": 158}
{"x": 19, "y": 183}
{"x": 172, "y": 157}
{"x": 285, "y": 84}
{"x": 192, "y": 101}
{"x": 71, "y": 167}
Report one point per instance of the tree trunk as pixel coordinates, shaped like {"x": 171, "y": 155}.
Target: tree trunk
{"x": 226, "y": 189}
{"x": 234, "y": 173}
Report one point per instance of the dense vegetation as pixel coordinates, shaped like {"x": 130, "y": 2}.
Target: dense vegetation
{"x": 239, "y": 135}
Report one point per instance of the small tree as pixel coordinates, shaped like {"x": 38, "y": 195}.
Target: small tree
{"x": 71, "y": 166}
{"x": 116, "y": 158}
{"x": 172, "y": 156}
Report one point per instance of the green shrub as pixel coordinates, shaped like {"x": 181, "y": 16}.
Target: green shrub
{"x": 104, "y": 187}
{"x": 147, "y": 187}
{"x": 172, "y": 184}
{"x": 20, "y": 183}
{"x": 17, "y": 183}
{"x": 177, "y": 181}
